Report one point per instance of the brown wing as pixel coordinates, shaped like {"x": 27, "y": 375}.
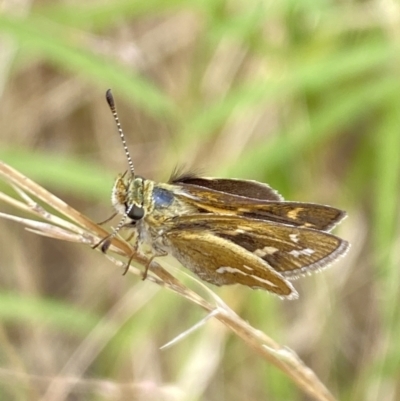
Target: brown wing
{"x": 221, "y": 262}
{"x": 288, "y": 250}
{"x": 247, "y": 188}
{"x": 310, "y": 215}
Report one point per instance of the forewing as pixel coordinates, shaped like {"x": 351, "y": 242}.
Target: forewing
{"x": 290, "y": 251}
{"x": 310, "y": 215}
{"x": 307, "y": 215}
{"x": 246, "y": 188}
{"x": 220, "y": 261}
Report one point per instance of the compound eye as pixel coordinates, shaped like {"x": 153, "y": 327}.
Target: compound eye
{"x": 135, "y": 212}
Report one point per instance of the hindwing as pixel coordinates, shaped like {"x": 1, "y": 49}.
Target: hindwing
{"x": 221, "y": 262}
{"x": 290, "y": 251}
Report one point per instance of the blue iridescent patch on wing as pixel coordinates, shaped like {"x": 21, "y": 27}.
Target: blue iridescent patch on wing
{"x": 162, "y": 197}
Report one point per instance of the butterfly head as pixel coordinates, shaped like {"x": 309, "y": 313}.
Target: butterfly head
{"x": 128, "y": 196}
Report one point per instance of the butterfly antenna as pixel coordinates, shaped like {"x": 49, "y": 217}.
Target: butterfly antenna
{"x": 111, "y": 103}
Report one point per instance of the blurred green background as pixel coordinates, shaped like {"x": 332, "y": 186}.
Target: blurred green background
{"x": 303, "y": 95}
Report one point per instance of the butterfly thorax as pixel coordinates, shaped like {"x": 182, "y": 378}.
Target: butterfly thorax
{"x": 151, "y": 206}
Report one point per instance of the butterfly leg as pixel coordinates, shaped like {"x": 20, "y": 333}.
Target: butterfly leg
{"x": 157, "y": 251}
{"x": 108, "y": 219}
{"x": 135, "y": 248}
{"x": 160, "y": 252}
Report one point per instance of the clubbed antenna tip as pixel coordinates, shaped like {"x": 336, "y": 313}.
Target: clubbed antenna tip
{"x": 110, "y": 99}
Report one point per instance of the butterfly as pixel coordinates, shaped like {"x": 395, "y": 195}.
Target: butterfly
{"x": 226, "y": 231}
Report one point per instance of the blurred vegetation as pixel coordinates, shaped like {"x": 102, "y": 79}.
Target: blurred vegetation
{"x": 304, "y": 95}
